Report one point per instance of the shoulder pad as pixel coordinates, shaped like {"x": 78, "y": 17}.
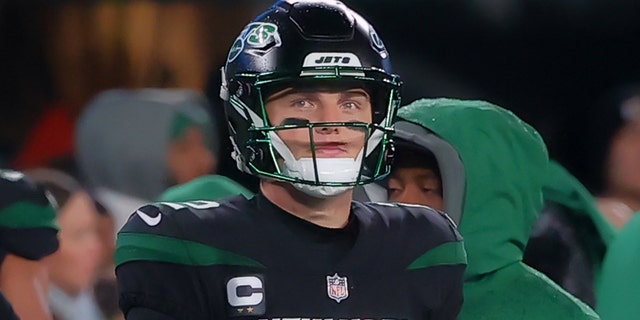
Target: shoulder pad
{"x": 165, "y": 232}
{"x": 431, "y": 232}
{"x": 160, "y": 217}
{"x": 442, "y": 213}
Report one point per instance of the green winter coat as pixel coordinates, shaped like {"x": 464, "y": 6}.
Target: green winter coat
{"x": 494, "y": 165}
{"x": 564, "y": 189}
{"x": 209, "y": 187}
{"x": 618, "y": 293}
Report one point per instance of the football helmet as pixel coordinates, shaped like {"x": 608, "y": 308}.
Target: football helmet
{"x": 308, "y": 43}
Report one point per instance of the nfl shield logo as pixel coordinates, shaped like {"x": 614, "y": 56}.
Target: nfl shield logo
{"x": 337, "y": 287}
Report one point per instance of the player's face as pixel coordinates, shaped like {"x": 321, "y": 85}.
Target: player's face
{"x": 416, "y": 186}
{"x": 291, "y": 105}
{"x": 74, "y": 266}
{"x": 624, "y": 159}
{"x": 189, "y": 157}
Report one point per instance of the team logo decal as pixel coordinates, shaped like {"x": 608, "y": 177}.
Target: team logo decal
{"x": 246, "y": 296}
{"x": 322, "y": 59}
{"x": 377, "y": 43}
{"x": 337, "y": 287}
{"x": 257, "y": 38}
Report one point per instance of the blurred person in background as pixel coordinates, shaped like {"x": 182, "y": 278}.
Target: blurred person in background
{"x": 570, "y": 238}
{"x": 28, "y": 233}
{"x": 104, "y": 288}
{"x": 73, "y": 269}
{"x": 613, "y": 141}
{"x": 131, "y": 145}
{"x": 486, "y": 168}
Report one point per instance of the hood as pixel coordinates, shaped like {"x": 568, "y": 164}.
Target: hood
{"x": 122, "y": 137}
{"x": 563, "y": 188}
{"x": 209, "y": 187}
{"x": 494, "y": 165}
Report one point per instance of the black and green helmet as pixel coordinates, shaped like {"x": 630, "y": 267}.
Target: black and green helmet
{"x": 307, "y": 43}
{"x": 25, "y": 204}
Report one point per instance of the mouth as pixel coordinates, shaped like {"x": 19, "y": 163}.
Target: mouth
{"x": 330, "y": 149}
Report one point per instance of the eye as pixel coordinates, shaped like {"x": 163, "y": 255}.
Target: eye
{"x": 432, "y": 189}
{"x": 302, "y": 104}
{"x": 393, "y": 186}
{"x": 350, "y": 106}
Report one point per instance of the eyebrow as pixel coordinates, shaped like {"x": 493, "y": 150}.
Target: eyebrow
{"x": 427, "y": 176}
{"x": 355, "y": 92}
{"x": 343, "y": 94}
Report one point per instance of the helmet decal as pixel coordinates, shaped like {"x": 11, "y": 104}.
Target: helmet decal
{"x": 323, "y": 59}
{"x": 377, "y": 43}
{"x": 257, "y": 37}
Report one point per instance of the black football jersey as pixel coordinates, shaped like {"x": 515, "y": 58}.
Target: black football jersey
{"x": 248, "y": 259}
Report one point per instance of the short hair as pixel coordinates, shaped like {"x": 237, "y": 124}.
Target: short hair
{"x": 410, "y": 155}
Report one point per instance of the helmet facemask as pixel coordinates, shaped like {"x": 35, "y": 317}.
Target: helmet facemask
{"x": 267, "y": 155}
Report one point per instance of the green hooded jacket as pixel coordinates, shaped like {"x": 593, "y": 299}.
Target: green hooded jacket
{"x": 493, "y": 166}
{"x": 209, "y": 187}
{"x": 591, "y": 229}
{"x": 619, "y": 287}
{"x": 563, "y": 188}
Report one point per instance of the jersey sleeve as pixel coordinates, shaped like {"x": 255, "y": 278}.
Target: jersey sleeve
{"x": 6, "y": 311}
{"x": 28, "y": 243}
{"x": 440, "y": 263}
{"x": 153, "y": 266}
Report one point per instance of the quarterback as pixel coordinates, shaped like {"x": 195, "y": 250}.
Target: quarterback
{"x": 310, "y": 101}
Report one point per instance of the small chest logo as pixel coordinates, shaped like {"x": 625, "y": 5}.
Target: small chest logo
{"x": 337, "y": 287}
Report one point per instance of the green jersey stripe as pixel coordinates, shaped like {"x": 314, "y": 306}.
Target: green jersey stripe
{"x": 151, "y": 247}
{"x": 28, "y": 215}
{"x": 444, "y": 254}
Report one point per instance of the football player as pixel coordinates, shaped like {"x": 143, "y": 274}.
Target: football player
{"x": 310, "y": 100}
{"x": 28, "y": 233}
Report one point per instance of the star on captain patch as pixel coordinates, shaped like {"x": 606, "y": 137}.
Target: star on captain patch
{"x": 337, "y": 287}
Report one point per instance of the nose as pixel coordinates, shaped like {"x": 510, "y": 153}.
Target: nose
{"x": 329, "y": 113}
{"x": 326, "y": 130}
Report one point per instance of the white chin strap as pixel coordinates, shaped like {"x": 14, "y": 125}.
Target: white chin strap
{"x": 329, "y": 170}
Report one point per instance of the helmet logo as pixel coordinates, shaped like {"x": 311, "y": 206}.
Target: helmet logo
{"x": 322, "y": 59}
{"x": 257, "y": 37}
{"x": 376, "y": 42}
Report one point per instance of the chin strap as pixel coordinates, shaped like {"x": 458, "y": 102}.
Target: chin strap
{"x": 338, "y": 170}
{"x": 329, "y": 170}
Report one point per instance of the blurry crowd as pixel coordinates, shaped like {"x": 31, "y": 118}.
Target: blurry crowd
{"x": 107, "y": 143}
